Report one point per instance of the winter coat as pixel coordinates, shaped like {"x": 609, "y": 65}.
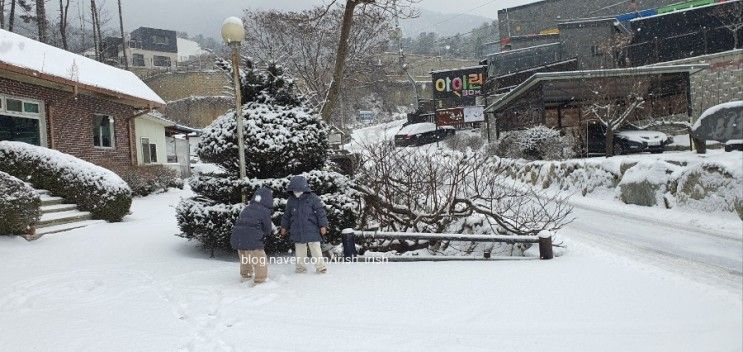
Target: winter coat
{"x": 303, "y": 216}
{"x": 254, "y": 222}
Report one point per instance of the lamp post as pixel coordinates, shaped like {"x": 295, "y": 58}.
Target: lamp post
{"x": 233, "y": 34}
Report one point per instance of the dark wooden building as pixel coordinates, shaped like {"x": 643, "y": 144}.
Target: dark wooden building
{"x": 560, "y": 99}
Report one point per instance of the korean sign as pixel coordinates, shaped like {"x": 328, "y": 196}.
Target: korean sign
{"x": 449, "y": 117}
{"x": 457, "y": 84}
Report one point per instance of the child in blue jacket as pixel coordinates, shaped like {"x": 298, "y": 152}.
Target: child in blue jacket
{"x": 253, "y": 224}
{"x": 306, "y": 221}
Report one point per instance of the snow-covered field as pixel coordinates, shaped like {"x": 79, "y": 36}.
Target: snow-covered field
{"x": 133, "y": 286}
{"x": 631, "y": 279}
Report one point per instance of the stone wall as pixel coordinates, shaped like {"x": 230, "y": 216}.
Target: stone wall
{"x": 173, "y": 86}
{"x": 194, "y": 99}
{"x": 198, "y": 112}
{"x": 721, "y": 83}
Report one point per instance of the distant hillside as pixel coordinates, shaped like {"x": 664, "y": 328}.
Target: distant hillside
{"x": 443, "y": 24}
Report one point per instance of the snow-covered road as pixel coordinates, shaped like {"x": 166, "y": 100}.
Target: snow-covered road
{"x": 699, "y": 255}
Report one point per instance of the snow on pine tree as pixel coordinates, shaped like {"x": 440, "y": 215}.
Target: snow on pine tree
{"x": 283, "y": 138}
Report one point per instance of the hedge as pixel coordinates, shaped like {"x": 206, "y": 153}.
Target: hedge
{"x": 19, "y": 206}
{"x": 93, "y": 188}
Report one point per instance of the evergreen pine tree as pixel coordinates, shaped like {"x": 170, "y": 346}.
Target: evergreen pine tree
{"x": 283, "y": 138}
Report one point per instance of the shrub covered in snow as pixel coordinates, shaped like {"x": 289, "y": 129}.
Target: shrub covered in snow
{"x": 93, "y": 188}
{"x": 710, "y": 187}
{"x": 145, "y": 180}
{"x": 536, "y": 143}
{"x": 19, "y": 206}
{"x": 210, "y": 220}
{"x": 588, "y": 179}
{"x": 282, "y": 138}
{"x": 275, "y": 135}
{"x": 464, "y": 140}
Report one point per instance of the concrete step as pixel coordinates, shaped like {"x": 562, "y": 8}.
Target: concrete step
{"x": 56, "y": 208}
{"x": 61, "y": 218}
{"x": 42, "y": 192}
{"x": 65, "y": 227}
{"x": 47, "y": 199}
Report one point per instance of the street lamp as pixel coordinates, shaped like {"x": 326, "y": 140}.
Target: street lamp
{"x": 233, "y": 33}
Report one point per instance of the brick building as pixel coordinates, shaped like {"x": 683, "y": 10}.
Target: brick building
{"x": 57, "y": 99}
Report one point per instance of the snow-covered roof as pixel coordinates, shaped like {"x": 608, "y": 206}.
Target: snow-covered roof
{"x": 459, "y": 69}
{"x": 30, "y": 57}
{"x": 189, "y": 48}
{"x": 158, "y": 118}
{"x": 418, "y": 128}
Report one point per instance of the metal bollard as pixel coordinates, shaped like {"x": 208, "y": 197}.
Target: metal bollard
{"x": 349, "y": 244}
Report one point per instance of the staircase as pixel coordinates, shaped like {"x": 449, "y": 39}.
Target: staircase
{"x": 58, "y": 216}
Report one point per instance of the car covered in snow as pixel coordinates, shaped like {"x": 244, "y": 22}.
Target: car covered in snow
{"x": 628, "y": 139}
{"x": 734, "y": 144}
{"x": 422, "y": 133}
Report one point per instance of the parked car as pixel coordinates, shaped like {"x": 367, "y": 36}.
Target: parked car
{"x": 422, "y": 133}
{"x": 628, "y": 139}
{"x": 734, "y": 144}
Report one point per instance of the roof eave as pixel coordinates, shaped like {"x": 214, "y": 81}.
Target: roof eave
{"x": 542, "y": 76}
{"x": 125, "y": 99}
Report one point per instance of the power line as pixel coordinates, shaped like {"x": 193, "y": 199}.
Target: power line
{"x": 465, "y": 12}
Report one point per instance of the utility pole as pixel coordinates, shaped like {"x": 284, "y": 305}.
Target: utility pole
{"x": 96, "y": 40}
{"x": 401, "y": 57}
{"x": 123, "y": 38}
{"x": 2, "y": 14}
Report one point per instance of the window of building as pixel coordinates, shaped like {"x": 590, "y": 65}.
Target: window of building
{"x": 21, "y": 120}
{"x": 162, "y": 61}
{"x": 14, "y": 105}
{"x": 30, "y": 108}
{"x": 160, "y": 40}
{"x": 170, "y": 150}
{"x": 149, "y": 152}
{"x": 103, "y": 131}
{"x": 138, "y": 60}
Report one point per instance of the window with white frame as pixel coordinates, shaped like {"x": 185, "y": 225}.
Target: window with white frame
{"x": 103, "y": 131}
{"x": 149, "y": 152}
{"x": 22, "y": 120}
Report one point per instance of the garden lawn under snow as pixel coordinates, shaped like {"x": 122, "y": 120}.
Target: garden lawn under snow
{"x": 134, "y": 286}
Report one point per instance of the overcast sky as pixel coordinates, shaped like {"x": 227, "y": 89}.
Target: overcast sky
{"x": 200, "y": 16}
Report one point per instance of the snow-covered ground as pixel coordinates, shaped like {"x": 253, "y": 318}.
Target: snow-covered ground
{"x": 382, "y": 132}
{"x": 133, "y": 286}
{"x": 632, "y": 279}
